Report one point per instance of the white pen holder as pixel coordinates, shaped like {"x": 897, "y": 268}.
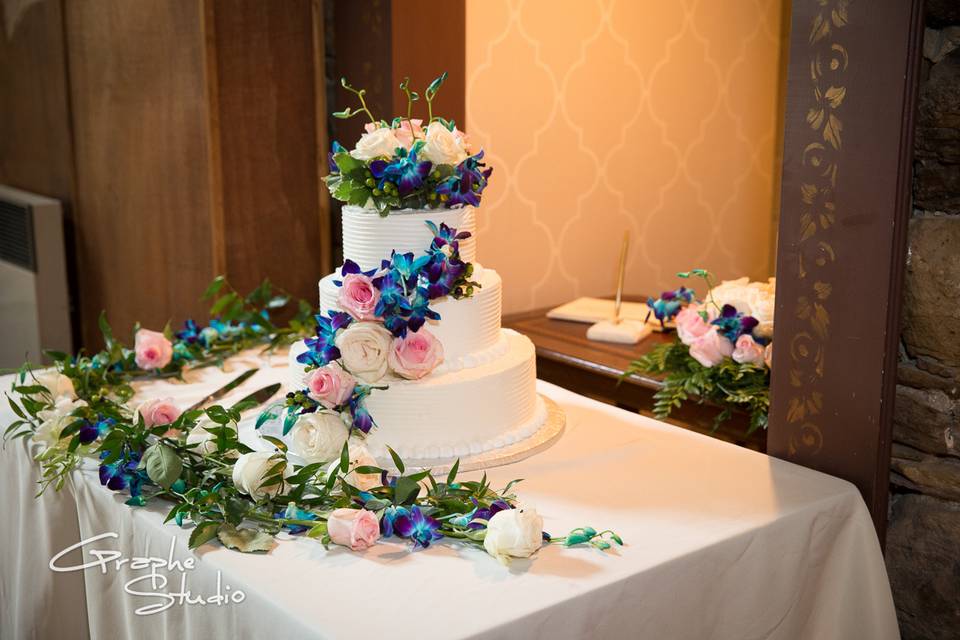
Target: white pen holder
{"x": 623, "y": 332}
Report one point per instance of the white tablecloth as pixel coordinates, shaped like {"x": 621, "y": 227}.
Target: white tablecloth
{"x": 721, "y": 542}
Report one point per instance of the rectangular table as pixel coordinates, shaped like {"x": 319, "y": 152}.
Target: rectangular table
{"x": 721, "y": 542}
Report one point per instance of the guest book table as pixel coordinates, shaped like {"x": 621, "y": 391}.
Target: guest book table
{"x": 566, "y": 357}
{"x": 720, "y": 542}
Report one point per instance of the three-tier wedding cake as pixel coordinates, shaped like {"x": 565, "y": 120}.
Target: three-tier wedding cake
{"x": 482, "y": 396}
{"x": 409, "y": 351}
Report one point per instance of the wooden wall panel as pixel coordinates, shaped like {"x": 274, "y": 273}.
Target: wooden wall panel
{"x": 423, "y": 51}
{"x": 35, "y": 147}
{"x": 138, "y": 89}
{"x": 274, "y": 204}
{"x": 362, "y": 42}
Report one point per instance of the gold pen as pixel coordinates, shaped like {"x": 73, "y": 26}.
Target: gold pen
{"x": 621, "y": 276}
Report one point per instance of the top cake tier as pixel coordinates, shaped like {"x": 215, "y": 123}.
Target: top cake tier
{"x": 369, "y": 238}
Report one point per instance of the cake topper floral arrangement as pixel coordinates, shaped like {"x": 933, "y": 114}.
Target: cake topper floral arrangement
{"x": 723, "y": 349}
{"x": 406, "y": 163}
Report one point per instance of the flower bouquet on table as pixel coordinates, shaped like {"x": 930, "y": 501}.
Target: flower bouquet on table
{"x": 406, "y": 163}
{"x": 722, "y": 351}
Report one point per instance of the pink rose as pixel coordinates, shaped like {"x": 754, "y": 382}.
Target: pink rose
{"x": 330, "y": 385}
{"x": 358, "y": 296}
{"x": 768, "y": 356}
{"x": 406, "y": 133}
{"x": 463, "y": 139}
{"x": 354, "y": 528}
{"x": 153, "y": 350}
{"x": 159, "y": 411}
{"x": 690, "y": 325}
{"x": 711, "y": 348}
{"x": 416, "y": 354}
{"x": 747, "y": 351}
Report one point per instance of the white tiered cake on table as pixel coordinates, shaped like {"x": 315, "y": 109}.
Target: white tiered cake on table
{"x": 409, "y": 360}
{"x": 480, "y": 403}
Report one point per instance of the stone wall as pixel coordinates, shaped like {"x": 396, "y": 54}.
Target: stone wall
{"x": 923, "y": 541}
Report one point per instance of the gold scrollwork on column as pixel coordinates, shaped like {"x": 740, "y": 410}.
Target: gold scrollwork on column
{"x": 820, "y": 168}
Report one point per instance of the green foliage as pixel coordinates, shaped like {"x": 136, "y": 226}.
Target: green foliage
{"x": 729, "y": 385}
{"x": 354, "y": 184}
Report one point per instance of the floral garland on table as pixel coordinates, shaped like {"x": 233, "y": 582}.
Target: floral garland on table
{"x": 194, "y": 460}
{"x": 722, "y": 352}
{"x": 402, "y": 164}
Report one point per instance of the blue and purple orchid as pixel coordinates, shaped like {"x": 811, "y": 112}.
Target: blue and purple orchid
{"x": 321, "y": 349}
{"x": 732, "y": 324}
{"x": 90, "y": 430}
{"x": 466, "y": 184}
{"x": 669, "y": 304}
{"x": 410, "y": 522}
{"x": 122, "y": 473}
{"x": 405, "y": 171}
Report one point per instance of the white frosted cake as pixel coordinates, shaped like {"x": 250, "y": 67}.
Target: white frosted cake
{"x": 482, "y": 396}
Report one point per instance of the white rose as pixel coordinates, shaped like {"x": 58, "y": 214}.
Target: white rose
{"x": 443, "y": 146}
{"x": 514, "y": 533}
{"x": 250, "y": 471}
{"x": 377, "y": 143}
{"x": 55, "y": 420}
{"x": 761, "y": 299}
{"x": 733, "y": 292}
{"x": 359, "y": 457}
{"x": 318, "y": 436}
{"x": 749, "y": 298}
{"x": 364, "y": 347}
{"x": 56, "y": 383}
{"x": 202, "y": 440}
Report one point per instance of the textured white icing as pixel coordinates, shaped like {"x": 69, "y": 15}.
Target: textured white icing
{"x": 467, "y": 327}
{"x": 368, "y": 238}
{"x": 455, "y": 413}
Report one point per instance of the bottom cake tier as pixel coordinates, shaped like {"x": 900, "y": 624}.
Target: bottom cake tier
{"x": 455, "y": 414}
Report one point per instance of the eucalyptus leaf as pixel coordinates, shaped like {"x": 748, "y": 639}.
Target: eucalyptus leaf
{"x": 162, "y": 464}
{"x": 244, "y": 539}
{"x": 277, "y": 442}
{"x": 397, "y": 460}
{"x": 204, "y": 532}
{"x": 218, "y": 414}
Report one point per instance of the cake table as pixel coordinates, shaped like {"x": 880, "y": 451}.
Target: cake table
{"x": 721, "y": 542}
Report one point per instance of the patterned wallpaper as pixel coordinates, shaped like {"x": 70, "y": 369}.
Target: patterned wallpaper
{"x": 662, "y": 118}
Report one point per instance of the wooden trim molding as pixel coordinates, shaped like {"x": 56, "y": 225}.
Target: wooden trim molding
{"x": 845, "y": 192}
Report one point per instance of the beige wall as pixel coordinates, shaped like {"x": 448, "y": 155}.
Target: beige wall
{"x": 604, "y": 115}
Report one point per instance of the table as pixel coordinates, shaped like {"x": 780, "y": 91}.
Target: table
{"x": 721, "y": 542}
{"x": 567, "y": 358}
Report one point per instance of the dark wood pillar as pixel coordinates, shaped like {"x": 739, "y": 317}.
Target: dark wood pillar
{"x": 844, "y": 207}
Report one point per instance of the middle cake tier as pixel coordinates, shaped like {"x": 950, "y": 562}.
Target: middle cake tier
{"x": 468, "y": 329}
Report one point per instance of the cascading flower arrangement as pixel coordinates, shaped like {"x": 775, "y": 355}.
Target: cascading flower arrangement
{"x": 722, "y": 352}
{"x": 195, "y": 461}
{"x": 379, "y": 333}
{"x": 404, "y": 164}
